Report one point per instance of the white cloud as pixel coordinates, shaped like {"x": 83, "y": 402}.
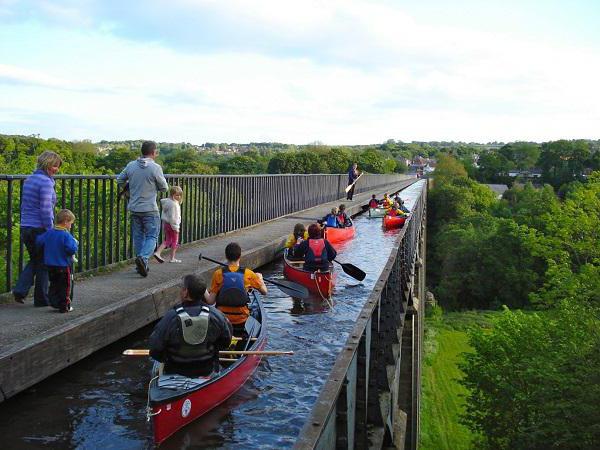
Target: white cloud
{"x": 358, "y": 72}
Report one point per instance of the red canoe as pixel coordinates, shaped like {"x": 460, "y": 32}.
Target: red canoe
{"x": 174, "y": 400}
{"x": 318, "y": 282}
{"x": 390, "y": 222}
{"x": 336, "y": 235}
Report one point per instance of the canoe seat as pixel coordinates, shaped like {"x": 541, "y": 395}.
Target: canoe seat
{"x": 299, "y": 262}
{"x": 176, "y": 382}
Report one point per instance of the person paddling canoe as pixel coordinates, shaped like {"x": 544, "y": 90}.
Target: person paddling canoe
{"x": 316, "y": 250}
{"x": 189, "y": 337}
{"x": 229, "y": 288}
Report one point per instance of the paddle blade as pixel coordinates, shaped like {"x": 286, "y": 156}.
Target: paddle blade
{"x": 353, "y": 271}
{"x": 290, "y": 288}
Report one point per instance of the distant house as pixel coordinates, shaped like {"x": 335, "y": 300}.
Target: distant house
{"x": 526, "y": 174}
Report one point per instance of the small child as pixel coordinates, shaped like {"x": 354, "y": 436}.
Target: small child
{"x": 59, "y": 248}
{"x": 343, "y": 218}
{"x": 373, "y": 203}
{"x": 331, "y": 219}
{"x": 171, "y": 220}
{"x": 295, "y": 239}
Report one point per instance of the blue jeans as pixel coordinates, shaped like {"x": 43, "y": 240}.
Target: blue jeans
{"x": 35, "y": 271}
{"x": 145, "y": 228}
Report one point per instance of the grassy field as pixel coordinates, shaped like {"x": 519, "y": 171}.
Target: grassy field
{"x": 443, "y": 397}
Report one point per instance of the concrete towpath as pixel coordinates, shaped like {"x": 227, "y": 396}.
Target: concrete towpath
{"x": 38, "y": 342}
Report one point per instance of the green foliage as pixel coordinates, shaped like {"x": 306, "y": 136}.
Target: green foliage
{"x": 187, "y": 162}
{"x": 117, "y": 159}
{"x": 563, "y": 161}
{"x": 534, "y": 380}
{"x": 375, "y": 161}
{"x": 485, "y": 262}
{"x": 448, "y": 169}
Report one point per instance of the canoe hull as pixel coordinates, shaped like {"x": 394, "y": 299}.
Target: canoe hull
{"x": 336, "y": 235}
{"x": 172, "y": 414}
{"x": 391, "y": 222}
{"x": 316, "y": 282}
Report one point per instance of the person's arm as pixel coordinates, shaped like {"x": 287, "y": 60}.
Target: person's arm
{"x": 158, "y": 338}
{"x": 331, "y": 253}
{"x": 224, "y": 340}
{"x": 123, "y": 177}
{"x": 70, "y": 245}
{"x": 300, "y": 250}
{"x": 262, "y": 287}
{"x": 215, "y": 285}
{"x": 291, "y": 240}
{"x": 161, "y": 182}
{"x": 46, "y": 192}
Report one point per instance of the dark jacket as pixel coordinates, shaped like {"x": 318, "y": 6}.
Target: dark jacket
{"x": 309, "y": 263}
{"x": 167, "y": 344}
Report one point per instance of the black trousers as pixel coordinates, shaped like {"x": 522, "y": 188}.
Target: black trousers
{"x": 61, "y": 287}
{"x": 350, "y": 192}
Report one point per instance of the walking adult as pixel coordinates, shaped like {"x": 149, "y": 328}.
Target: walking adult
{"x": 145, "y": 179}
{"x": 352, "y": 176}
{"x": 188, "y": 338}
{"x": 37, "y": 215}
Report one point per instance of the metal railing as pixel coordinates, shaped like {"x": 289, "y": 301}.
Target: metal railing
{"x": 371, "y": 398}
{"x": 212, "y": 205}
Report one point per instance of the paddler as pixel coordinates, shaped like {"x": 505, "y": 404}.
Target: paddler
{"x": 188, "y": 338}
{"x": 316, "y": 251}
{"x": 373, "y": 203}
{"x": 395, "y": 210}
{"x": 300, "y": 234}
{"x": 230, "y": 285}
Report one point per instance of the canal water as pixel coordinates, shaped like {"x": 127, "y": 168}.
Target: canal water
{"x": 100, "y": 402}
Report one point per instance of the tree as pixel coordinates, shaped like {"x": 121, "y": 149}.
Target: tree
{"x": 447, "y": 169}
{"x": 534, "y": 380}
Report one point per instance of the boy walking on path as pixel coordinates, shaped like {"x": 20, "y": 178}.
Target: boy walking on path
{"x": 146, "y": 179}
{"x": 59, "y": 246}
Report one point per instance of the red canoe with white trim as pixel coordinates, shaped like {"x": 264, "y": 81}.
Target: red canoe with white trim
{"x": 174, "y": 400}
{"x": 316, "y": 282}
{"x": 337, "y": 235}
{"x": 390, "y": 222}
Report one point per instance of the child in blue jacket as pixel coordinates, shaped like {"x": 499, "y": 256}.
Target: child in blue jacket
{"x": 59, "y": 247}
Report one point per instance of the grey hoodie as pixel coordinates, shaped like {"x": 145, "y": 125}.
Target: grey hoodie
{"x": 145, "y": 179}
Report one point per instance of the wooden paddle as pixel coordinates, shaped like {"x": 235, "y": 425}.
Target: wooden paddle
{"x": 352, "y": 270}
{"x": 146, "y": 352}
{"x": 350, "y": 185}
{"x": 288, "y": 287}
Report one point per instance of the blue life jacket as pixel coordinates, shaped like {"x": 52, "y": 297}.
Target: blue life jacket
{"x": 232, "y": 292}
{"x": 331, "y": 221}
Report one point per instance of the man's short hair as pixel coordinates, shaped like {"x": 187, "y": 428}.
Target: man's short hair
{"x": 64, "y": 215}
{"x": 233, "y": 251}
{"x": 148, "y": 147}
{"x": 195, "y": 286}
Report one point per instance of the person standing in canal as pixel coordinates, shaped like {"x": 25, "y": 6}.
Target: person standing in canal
{"x": 145, "y": 179}
{"x": 37, "y": 215}
{"x": 352, "y": 177}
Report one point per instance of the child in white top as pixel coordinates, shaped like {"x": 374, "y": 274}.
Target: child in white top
{"x": 171, "y": 220}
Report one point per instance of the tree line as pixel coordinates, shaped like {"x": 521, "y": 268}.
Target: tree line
{"x": 534, "y": 377}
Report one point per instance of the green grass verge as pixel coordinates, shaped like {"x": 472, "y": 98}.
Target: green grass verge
{"x": 443, "y": 398}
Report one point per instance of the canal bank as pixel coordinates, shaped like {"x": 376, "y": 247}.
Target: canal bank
{"x": 37, "y": 342}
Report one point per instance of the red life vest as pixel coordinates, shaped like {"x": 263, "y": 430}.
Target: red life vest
{"x": 317, "y": 247}
{"x": 373, "y": 203}
{"x": 342, "y": 218}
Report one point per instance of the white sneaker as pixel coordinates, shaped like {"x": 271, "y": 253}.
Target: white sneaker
{"x": 175, "y": 260}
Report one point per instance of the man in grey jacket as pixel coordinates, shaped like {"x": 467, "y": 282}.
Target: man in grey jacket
{"x": 145, "y": 178}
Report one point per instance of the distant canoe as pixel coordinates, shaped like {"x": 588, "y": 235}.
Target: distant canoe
{"x": 390, "y": 222}
{"x": 336, "y": 235}
{"x": 317, "y": 282}
{"x": 376, "y": 213}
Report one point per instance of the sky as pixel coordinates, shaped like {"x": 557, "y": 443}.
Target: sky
{"x": 334, "y": 71}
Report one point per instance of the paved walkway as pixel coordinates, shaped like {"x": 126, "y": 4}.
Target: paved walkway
{"x": 37, "y": 342}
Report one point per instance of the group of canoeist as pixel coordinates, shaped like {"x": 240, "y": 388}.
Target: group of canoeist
{"x": 190, "y": 341}
{"x": 393, "y": 207}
